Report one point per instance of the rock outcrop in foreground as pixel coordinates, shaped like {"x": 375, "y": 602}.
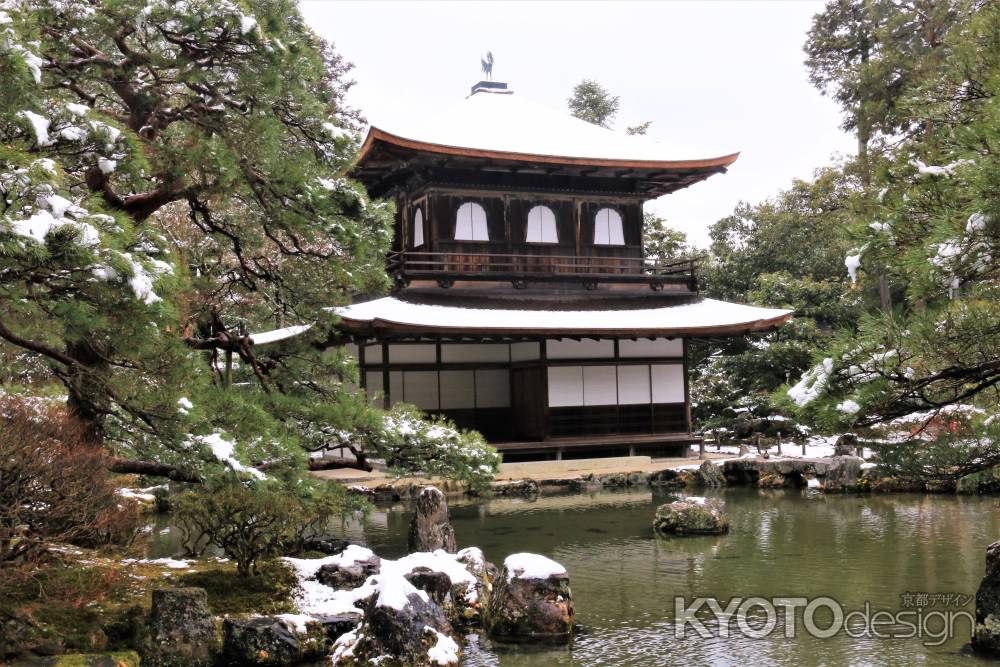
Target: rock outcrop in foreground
{"x": 986, "y": 638}
{"x": 691, "y": 516}
{"x": 181, "y": 630}
{"x": 531, "y": 599}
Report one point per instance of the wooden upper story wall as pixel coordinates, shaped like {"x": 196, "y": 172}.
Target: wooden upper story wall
{"x": 507, "y": 222}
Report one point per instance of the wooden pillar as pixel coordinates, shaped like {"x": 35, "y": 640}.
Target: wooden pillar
{"x": 386, "y": 401}
{"x": 687, "y": 389}
{"x": 362, "y": 375}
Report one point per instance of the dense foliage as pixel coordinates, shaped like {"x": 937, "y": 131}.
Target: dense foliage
{"x": 890, "y": 260}
{"x": 172, "y": 180}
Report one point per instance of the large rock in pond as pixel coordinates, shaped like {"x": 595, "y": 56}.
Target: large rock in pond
{"x": 181, "y": 630}
{"x": 350, "y": 569}
{"x": 279, "y": 641}
{"x": 710, "y": 475}
{"x": 986, "y": 636}
{"x": 402, "y": 623}
{"x": 531, "y": 599}
{"x": 430, "y": 528}
{"x": 691, "y": 516}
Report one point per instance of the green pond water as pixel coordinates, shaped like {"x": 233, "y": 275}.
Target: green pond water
{"x": 885, "y": 550}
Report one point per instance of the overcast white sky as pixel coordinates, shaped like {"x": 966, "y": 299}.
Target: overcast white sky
{"x": 714, "y": 77}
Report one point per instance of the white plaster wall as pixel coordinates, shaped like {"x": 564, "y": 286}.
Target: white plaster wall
{"x": 565, "y": 386}
{"x": 658, "y": 347}
{"x": 373, "y": 354}
{"x": 525, "y": 351}
{"x": 412, "y": 354}
{"x": 633, "y": 385}
{"x": 458, "y": 389}
{"x": 421, "y": 389}
{"x": 668, "y": 383}
{"x": 600, "y": 386}
{"x": 493, "y": 388}
{"x": 565, "y": 348}
{"x": 475, "y": 352}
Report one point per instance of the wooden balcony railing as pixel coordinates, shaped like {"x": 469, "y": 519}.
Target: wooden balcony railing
{"x": 447, "y": 267}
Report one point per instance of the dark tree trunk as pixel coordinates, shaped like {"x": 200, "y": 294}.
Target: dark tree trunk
{"x": 153, "y": 469}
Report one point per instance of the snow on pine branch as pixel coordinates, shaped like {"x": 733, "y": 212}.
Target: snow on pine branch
{"x": 812, "y": 383}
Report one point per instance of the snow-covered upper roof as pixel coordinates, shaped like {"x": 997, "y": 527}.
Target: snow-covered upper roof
{"x": 511, "y": 124}
{"x": 703, "y": 316}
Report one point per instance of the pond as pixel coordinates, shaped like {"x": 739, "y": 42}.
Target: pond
{"x": 884, "y": 550}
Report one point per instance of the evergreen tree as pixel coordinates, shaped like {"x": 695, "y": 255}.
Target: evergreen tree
{"x": 921, "y": 382}
{"x": 661, "y": 243}
{"x": 173, "y": 179}
{"x": 593, "y": 103}
{"x": 787, "y": 252}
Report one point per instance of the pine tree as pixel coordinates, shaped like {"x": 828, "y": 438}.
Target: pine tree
{"x": 593, "y": 103}
{"x": 173, "y": 180}
{"x": 921, "y": 382}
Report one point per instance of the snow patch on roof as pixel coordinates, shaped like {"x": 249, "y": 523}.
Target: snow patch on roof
{"x": 265, "y": 337}
{"x": 702, "y": 314}
{"x": 514, "y": 124}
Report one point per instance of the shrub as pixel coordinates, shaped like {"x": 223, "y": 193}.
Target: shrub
{"x": 251, "y": 523}
{"x": 54, "y": 486}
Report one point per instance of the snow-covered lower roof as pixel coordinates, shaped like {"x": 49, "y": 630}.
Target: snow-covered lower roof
{"x": 702, "y": 316}
{"x": 276, "y": 335}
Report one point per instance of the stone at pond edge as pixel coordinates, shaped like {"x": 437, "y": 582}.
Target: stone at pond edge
{"x": 691, "y": 517}
{"x": 525, "y": 609}
{"x": 986, "y": 637}
{"x": 430, "y": 528}
{"x": 402, "y": 634}
{"x": 984, "y": 481}
{"x": 710, "y": 475}
{"x": 846, "y": 445}
{"x": 181, "y": 630}
{"x": 270, "y": 640}
{"x": 342, "y": 577}
{"x": 112, "y": 659}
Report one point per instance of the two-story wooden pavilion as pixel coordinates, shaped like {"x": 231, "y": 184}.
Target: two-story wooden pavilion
{"x": 523, "y": 304}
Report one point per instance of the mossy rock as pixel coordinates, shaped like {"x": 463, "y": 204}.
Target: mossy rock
{"x": 113, "y": 659}
{"x": 691, "y": 516}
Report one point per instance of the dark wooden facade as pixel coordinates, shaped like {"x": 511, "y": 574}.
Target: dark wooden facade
{"x": 578, "y": 392}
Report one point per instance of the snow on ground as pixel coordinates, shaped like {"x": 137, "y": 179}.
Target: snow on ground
{"x": 390, "y": 585}
{"x": 817, "y": 446}
{"x": 532, "y": 566}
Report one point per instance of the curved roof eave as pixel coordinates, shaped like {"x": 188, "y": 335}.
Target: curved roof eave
{"x": 375, "y": 134}
{"x": 423, "y": 319}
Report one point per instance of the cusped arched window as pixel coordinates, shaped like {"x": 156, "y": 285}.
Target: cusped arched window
{"x": 470, "y": 223}
{"x": 418, "y": 228}
{"x": 608, "y": 228}
{"x": 542, "y": 226}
